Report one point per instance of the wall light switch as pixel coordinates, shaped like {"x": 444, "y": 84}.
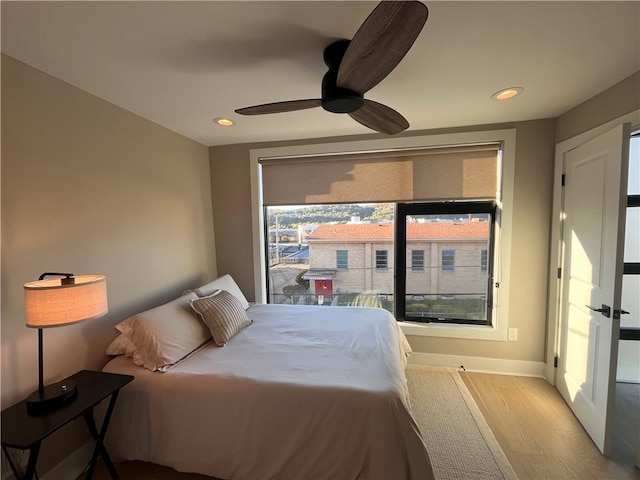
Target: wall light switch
{"x": 513, "y": 334}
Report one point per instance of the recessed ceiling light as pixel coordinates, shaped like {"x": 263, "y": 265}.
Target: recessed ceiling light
{"x": 507, "y": 93}
{"x": 223, "y": 122}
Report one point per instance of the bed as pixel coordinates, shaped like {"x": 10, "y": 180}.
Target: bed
{"x": 300, "y": 392}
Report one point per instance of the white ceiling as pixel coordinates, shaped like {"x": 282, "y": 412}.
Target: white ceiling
{"x": 180, "y": 64}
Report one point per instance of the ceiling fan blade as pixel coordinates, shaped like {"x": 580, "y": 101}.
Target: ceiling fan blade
{"x": 380, "y": 118}
{"x": 280, "y": 107}
{"x": 380, "y": 44}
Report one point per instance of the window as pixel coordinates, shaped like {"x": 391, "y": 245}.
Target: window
{"x": 453, "y": 287}
{"x": 452, "y": 168}
{"x": 460, "y": 234}
{"x": 448, "y": 260}
{"x": 475, "y": 167}
{"x": 483, "y": 261}
{"x": 381, "y": 260}
{"x": 417, "y": 260}
{"x": 342, "y": 259}
{"x": 336, "y": 254}
{"x": 631, "y": 271}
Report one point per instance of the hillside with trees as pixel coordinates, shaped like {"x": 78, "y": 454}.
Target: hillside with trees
{"x": 292, "y": 217}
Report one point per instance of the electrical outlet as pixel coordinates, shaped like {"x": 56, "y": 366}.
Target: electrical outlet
{"x": 513, "y": 334}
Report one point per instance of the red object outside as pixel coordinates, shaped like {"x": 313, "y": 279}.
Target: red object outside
{"x": 324, "y": 288}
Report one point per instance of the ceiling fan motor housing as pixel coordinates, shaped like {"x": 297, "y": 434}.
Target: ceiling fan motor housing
{"x": 336, "y": 99}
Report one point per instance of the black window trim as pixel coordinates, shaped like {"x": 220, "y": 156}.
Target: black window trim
{"x": 405, "y": 209}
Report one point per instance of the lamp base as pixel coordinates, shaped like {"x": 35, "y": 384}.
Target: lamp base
{"x": 52, "y": 397}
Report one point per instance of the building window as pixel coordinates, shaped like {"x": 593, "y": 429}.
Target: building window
{"x": 460, "y": 234}
{"x": 448, "y": 260}
{"x": 381, "y": 260}
{"x": 417, "y": 260}
{"x": 342, "y": 259}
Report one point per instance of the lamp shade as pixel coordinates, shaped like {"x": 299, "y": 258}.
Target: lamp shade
{"x": 52, "y": 303}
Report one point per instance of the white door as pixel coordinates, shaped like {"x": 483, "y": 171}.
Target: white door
{"x": 593, "y": 236}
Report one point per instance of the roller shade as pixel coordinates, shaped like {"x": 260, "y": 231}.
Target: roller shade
{"x": 436, "y": 174}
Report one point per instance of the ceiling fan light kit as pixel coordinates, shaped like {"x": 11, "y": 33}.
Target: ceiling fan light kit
{"x": 356, "y": 66}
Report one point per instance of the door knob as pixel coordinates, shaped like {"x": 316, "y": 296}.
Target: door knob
{"x": 604, "y": 310}
{"x": 617, "y": 313}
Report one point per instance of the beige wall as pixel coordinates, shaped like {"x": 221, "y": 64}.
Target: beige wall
{"x": 530, "y": 248}
{"x": 620, "y": 99}
{"x": 90, "y": 188}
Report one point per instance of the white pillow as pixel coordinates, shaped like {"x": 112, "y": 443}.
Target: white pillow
{"x": 224, "y": 282}
{"x": 121, "y": 345}
{"x": 164, "y": 335}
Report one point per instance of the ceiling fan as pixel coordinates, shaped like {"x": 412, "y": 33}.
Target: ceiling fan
{"x": 358, "y": 65}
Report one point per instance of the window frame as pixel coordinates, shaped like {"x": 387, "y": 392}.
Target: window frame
{"x": 403, "y": 210}
{"x": 504, "y": 197}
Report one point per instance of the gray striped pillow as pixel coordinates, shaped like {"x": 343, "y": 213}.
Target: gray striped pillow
{"x": 223, "y": 314}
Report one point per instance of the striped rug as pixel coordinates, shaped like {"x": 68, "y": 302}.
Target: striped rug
{"x": 460, "y": 443}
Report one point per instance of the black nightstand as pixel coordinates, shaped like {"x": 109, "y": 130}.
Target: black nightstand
{"x": 23, "y": 431}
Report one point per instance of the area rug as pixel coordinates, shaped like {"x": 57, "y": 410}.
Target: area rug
{"x": 460, "y": 443}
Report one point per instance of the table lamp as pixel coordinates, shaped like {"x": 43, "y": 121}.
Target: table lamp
{"x": 54, "y": 303}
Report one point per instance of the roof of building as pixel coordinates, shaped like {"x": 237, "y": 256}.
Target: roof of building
{"x": 415, "y": 231}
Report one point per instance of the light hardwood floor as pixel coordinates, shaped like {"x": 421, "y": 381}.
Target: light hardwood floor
{"x": 536, "y": 429}
{"x": 543, "y": 439}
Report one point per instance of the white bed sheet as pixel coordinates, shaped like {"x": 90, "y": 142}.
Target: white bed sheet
{"x": 302, "y": 393}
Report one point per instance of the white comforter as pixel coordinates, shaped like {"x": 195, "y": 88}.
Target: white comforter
{"x": 302, "y": 393}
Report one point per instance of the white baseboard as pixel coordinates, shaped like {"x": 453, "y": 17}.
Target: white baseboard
{"x": 73, "y": 465}
{"x": 481, "y": 364}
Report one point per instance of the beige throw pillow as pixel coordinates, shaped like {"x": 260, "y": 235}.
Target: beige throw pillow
{"x": 223, "y": 313}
